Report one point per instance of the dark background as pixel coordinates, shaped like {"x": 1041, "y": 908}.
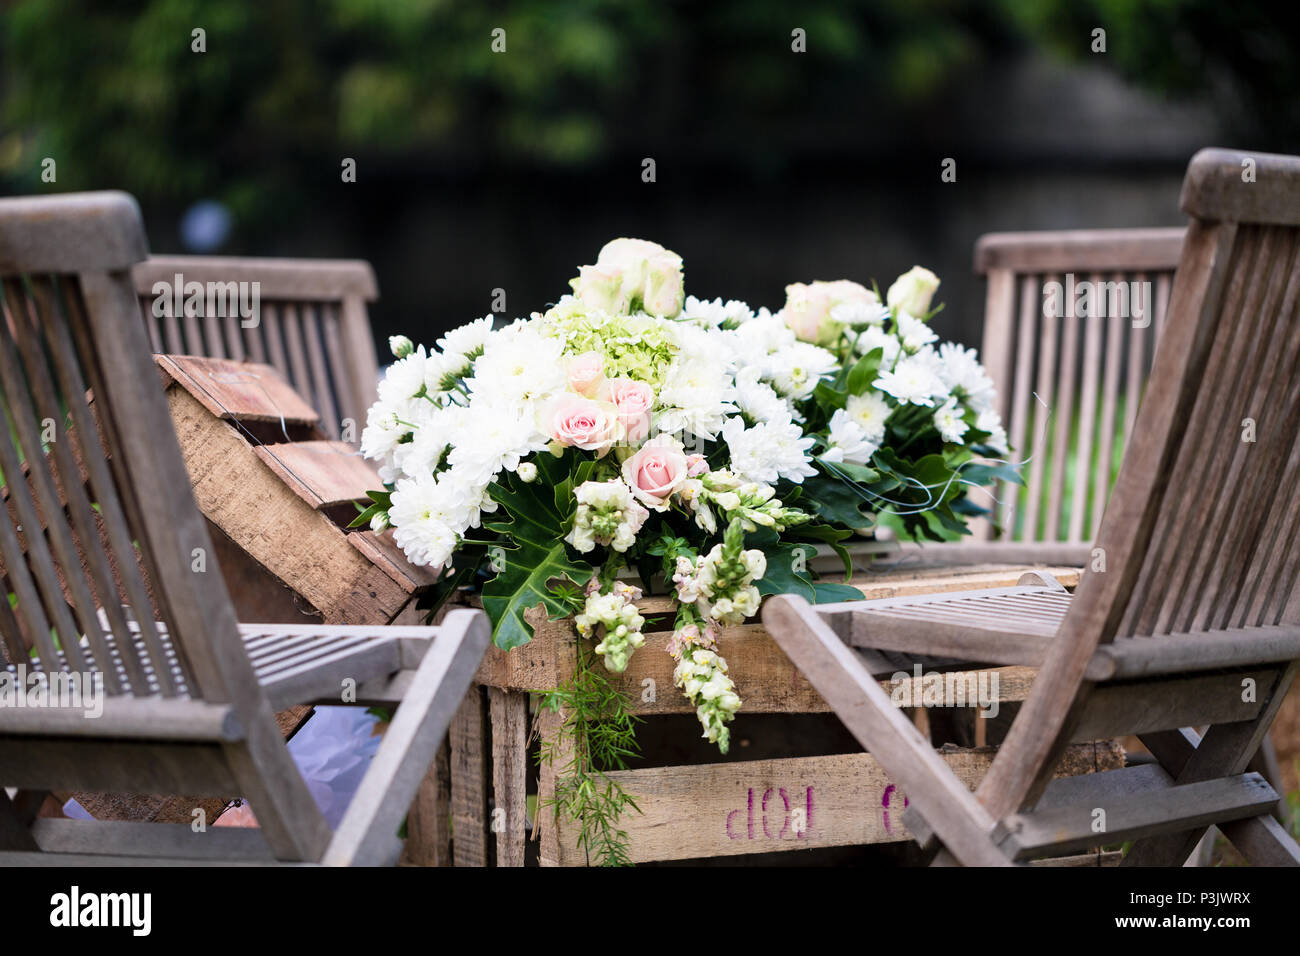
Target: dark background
{"x": 479, "y": 170}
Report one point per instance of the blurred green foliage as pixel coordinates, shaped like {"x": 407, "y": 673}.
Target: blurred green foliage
{"x": 114, "y": 92}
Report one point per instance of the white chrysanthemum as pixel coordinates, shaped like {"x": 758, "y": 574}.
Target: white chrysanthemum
{"x": 870, "y": 411}
{"x": 519, "y": 365}
{"x": 961, "y": 371}
{"x": 755, "y": 340}
{"x": 757, "y": 399}
{"x": 715, "y": 313}
{"x": 913, "y": 333}
{"x": 697, "y": 397}
{"x": 848, "y": 441}
{"x": 425, "y": 514}
{"x": 873, "y": 338}
{"x": 493, "y": 436}
{"x": 990, "y": 421}
{"x": 796, "y": 369}
{"x": 768, "y": 451}
{"x": 948, "y": 420}
{"x": 404, "y": 379}
{"x": 437, "y": 429}
{"x": 860, "y": 313}
{"x": 469, "y": 340}
{"x": 387, "y": 424}
{"x": 913, "y": 381}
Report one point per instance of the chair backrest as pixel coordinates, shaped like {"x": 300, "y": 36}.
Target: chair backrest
{"x": 1202, "y": 531}
{"x": 1088, "y": 370}
{"x": 99, "y": 517}
{"x": 311, "y": 325}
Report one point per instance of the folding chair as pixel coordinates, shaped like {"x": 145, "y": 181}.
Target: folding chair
{"x": 1195, "y": 619}
{"x": 312, "y": 324}
{"x": 98, "y": 548}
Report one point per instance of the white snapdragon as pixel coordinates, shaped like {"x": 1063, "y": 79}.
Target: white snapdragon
{"x": 613, "y": 618}
{"x": 607, "y": 515}
{"x": 702, "y": 675}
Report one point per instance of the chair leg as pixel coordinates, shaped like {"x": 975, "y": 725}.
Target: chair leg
{"x": 15, "y": 834}
{"x": 958, "y": 819}
{"x": 1225, "y": 750}
{"x": 1261, "y": 840}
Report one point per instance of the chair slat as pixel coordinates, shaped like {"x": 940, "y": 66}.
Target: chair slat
{"x": 1063, "y": 412}
{"x": 73, "y": 486}
{"x": 1087, "y": 420}
{"x": 121, "y": 512}
{"x": 1030, "y": 303}
{"x": 273, "y": 325}
{"x": 1109, "y": 402}
{"x": 314, "y": 342}
{"x": 1043, "y": 411}
{"x": 298, "y": 370}
{"x": 37, "y": 500}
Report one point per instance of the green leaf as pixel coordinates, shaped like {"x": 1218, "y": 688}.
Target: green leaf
{"x": 538, "y": 517}
{"x": 864, "y": 371}
{"x": 988, "y": 474}
{"x": 524, "y": 583}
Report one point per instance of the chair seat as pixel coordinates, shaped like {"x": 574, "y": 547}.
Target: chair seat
{"x": 995, "y": 626}
{"x": 294, "y": 663}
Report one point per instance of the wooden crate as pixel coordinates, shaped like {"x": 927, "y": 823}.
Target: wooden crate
{"x": 705, "y": 809}
{"x": 278, "y": 495}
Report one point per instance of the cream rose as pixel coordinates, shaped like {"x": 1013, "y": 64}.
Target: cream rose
{"x": 634, "y": 401}
{"x": 582, "y": 423}
{"x": 810, "y": 309}
{"x": 586, "y": 373}
{"x": 656, "y": 471}
{"x": 913, "y": 290}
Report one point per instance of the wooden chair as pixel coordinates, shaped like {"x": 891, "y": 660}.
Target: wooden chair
{"x": 1195, "y": 620}
{"x": 312, "y": 325}
{"x": 1088, "y": 375}
{"x": 189, "y": 691}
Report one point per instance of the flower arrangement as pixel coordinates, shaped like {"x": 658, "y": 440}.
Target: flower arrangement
{"x": 632, "y": 427}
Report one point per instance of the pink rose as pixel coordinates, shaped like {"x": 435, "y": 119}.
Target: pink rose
{"x": 634, "y": 400}
{"x": 656, "y": 471}
{"x": 583, "y": 423}
{"x": 586, "y": 373}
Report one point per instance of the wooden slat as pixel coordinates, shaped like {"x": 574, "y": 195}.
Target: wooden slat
{"x": 1085, "y": 249}
{"x": 1079, "y": 501}
{"x": 322, "y": 473}
{"x": 1030, "y": 305}
{"x": 509, "y": 713}
{"x": 469, "y": 782}
{"x": 1063, "y": 412}
{"x": 1166, "y": 810}
{"x": 1109, "y": 403}
{"x": 314, "y": 343}
{"x": 238, "y": 391}
{"x": 1043, "y": 411}
{"x": 310, "y": 279}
